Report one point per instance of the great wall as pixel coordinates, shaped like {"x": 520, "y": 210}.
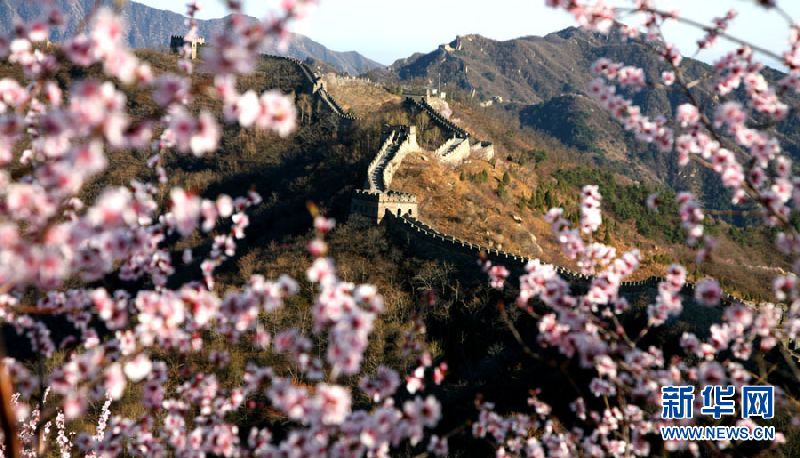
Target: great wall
{"x": 377, "y": 199}
{"x": 398, "y": 211}
{"x": 460, "y": 143}
{"x": 317, "y": 87}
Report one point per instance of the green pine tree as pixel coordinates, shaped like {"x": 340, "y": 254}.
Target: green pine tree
{"x": 548, "y": 200}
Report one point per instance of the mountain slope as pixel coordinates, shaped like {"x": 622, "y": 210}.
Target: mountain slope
{"x": 525, "y": 70}
{"x": 543, "y": 81}
{"x": 151, "y": 28}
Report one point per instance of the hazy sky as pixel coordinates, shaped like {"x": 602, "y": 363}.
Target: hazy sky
{"x": 386, "y": 30}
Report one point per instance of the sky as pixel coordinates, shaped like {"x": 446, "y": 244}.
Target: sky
{"x": 386, "y": 30}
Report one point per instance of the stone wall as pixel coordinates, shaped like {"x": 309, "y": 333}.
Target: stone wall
{"x": 429, "y": 239}
{"x": 376, "y": 200}
{"x": 317, "y": 87}
{"x": 443, "y": 123}
{"x": 400, "y": 141}
{"x": 428, "y": 242}
{"x": 407, "y": 143}
{"x": 482, "y": 150}
{"x": 374, "y": 180}
{"x": 453, "y": 151}
{"x": 375, "y": 204}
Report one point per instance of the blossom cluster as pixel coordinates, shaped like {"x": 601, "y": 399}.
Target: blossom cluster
{"x": 733, "y": 139}
{"x": 63, "y": 248}
{"x": 648, "y": 130}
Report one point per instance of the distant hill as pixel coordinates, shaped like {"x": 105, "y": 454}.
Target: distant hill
{"x": 151, "y": 28}
{"x": 543, "y": 81}
{"x": 525, "y": 70}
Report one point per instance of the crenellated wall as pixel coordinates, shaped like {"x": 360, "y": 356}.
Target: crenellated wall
{"x": 374, "y": 181}
{"x": 453, "y": 151}
{"x": 445, "y": 124}
{"x": 317, "y": 87}
{"x": 400, "y": 141}
{"x": 407, "y": 143}
{"x": 375, "y": 204}
{"x": 177, "y": 42}
{"x": 377, "y": 199}
{"x": 428, "y": 242}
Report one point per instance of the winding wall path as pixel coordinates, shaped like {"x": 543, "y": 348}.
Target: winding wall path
{"x": 315, "y": 82}
{"x": 388, "y": 160}
{"x": 423, "y": 237}
{"x": 443, "y": 123}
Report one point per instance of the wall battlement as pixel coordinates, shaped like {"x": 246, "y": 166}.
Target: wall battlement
{"x": 400, "y": 141}
{"x": 453, "y": 151}
{"x": 317, "y": 87}
{"x": 177, "y": 43}
{"x": 389, "y": 196}
{"x": 427, "y": 237}
{"x": 377, "y": 199}
{"x": 445, "y": 124}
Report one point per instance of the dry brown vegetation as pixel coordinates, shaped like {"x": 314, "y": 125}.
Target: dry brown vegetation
{"x": 362, "y": 97}
{"x": 458, "y": 202}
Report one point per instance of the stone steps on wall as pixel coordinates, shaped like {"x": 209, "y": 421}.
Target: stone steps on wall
{"x": 372, "y": 176}
{"x": 387, "y": 153}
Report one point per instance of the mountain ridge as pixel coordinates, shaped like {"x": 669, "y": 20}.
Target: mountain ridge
{"x": 150, "y": 27}
{"x": 543, "y": 82}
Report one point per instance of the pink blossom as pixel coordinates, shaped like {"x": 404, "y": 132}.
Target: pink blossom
{"x": 591, "y": 218}
{"x": 497, "y": 276}
{"x": 668, "y": 78}
{"x": 170, "y": 89}
{"x": 707, "y": 292}
{"x": 332, "y": 403}
{"x": 205, "y": 136}
{"x": 115, "y": 381}
{"x": 687, "y": 115}
{"x": 185, "y": 211}
{"x": 138, "y": 368}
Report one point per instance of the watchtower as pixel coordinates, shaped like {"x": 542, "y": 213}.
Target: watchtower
{"x": 177, "y": 42}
